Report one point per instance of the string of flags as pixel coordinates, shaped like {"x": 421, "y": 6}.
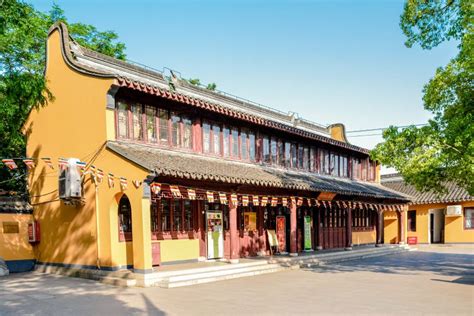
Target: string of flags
{"x": 160, "y": 190}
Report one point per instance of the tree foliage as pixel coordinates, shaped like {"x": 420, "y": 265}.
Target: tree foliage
{"x": 443, "y": 151}
{"x": 23, "y": 33}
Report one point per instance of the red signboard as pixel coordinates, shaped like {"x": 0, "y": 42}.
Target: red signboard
{"x": 33, "y": 232}
{"x": 281, "y": 233}
{"x": 412, "y": 240}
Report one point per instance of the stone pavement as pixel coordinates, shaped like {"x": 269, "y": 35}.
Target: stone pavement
{"x": 436, "y": 280}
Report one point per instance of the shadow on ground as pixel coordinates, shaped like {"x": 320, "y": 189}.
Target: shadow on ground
{"x": 453, "y": 265}
{"x": 18, "y": 297}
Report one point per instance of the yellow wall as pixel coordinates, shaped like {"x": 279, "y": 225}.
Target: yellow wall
{"x": 360, "y": 238}
{"x": 176, "y": 250}
{"x": 75, "y": 125}
{"x": 16, "y": 246}
{"x": 391, "y": 228}
{"x": 454, "y": 226}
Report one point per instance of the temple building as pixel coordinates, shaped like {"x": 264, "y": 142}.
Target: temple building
{"x": 170, "y": 172}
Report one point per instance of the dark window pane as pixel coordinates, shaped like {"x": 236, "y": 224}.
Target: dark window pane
{"x": 300, "y": 157}
{"x": 252, "y": 146}
{"x": 306, "y": 158}
{"x": 274, "y": 152}
{"x": 312, "y": 161}
{"x": 177, "y": 216}
{"x": 216, "y": 136}
{"x": 226, "y": 141}
{"x": 266, "y": 149}
{"x": 165, "y": 215}
{"x": 243, "y": 145}
{"x": 137, "y": 121}
{"x": 187, "y": 133}
{"x": 294, "y": 156}
{"x": 281, "y": 153}
{"x": 287, "y": 155}
{"x": 150, "y": 113}
{"x": 122, "y": 119}
{"x": 411, "y": 219}
{"x": 125, "y": 215}
{"x": 326, "y": 161}
{"x": 175, "y": 130}
{"x": 163, "y": 126}
{"x": 188, "y": 216}
{"x": 206, "y": 137}
{"x": 235, "y": 143}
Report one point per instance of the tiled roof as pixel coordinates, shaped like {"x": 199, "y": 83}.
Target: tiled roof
{"x": 454, "y": 193}
{"x": 151, "y": 82}
{"x": 14, "y": 205}
{"x": 198, "y": 167}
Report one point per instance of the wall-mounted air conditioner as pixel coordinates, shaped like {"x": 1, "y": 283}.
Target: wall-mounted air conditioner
{"x": 70, "y": 183}
{"x": 454, "y": 210}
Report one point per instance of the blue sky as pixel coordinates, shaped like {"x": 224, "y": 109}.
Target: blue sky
{"x": 330, "y": 61}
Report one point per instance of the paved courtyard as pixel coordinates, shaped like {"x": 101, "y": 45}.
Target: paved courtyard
{"x": 434, "y": 280}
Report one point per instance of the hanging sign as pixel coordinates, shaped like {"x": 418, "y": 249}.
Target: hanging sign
{"x": 175, "y": 191}
{"x": 191, "y": 194}
{"x": 30, "y": 164}
{"x": 245, "y": 200}
{"x": 99, "y": 175}
{"x": 328, "y": 196}
{"x": 281, "y": 233}
{"x": 255, "y": 200}
{"x": 222, "y": 198}
{"x": 234, "y": 200}
{"x": 156, "y": 188}
{"x": 48, "y": 162}
{"x": 210, "y": 196}
{"x": 110, "y": 178}
{"x": 123, "y": 183}
{"x": 10, "y": 163}
{"x": 307, "y": 233}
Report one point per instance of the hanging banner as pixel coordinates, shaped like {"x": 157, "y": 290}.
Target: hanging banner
{"x": 307, "y": 233}
{"x": 281, "y": 233}
{"x": 136, "y": 183}
{"x": 222, "y": 198}
{"x": 245, "y": 200}
{"x": 30, "y": 164}
{"x": 99, "y": 176}
{"x": 299, "y": 201}
{"x": 81, "y": 166}
{"x": 284, "y": 201}
{"x": 210, "y": 196}
{"x": 274, "y": 201}
{"x": 234, "y": 200}
{"x": 123, "y": 183}
{"x": 250, "y": 221}
{"x": 10, "y": 163}
{"x": 264, "y": 200}
{"x": 255, "y": 200}
{"x": 155, "y": 188}
{"x": 175, "y": 191}
{"x": 110, "y": 179}
{"x": 191, "y": 194}
{"x": 62, "y": 162}
{"x": 293, "y": 200}
{"x": 48, "y": 162}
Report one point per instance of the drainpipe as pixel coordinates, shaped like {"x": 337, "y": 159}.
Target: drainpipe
{"x": 97, "y": 230}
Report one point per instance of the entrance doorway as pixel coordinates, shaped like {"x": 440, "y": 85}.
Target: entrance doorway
{"x": 215, "y": 234}
{"x": 436, "y": 226}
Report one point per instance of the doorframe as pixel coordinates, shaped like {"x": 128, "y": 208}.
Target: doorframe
{"x": 434, "y": 211}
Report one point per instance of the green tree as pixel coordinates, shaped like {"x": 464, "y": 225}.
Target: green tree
{"x": 23, "y": 33}
{"x": 443, "y": 150}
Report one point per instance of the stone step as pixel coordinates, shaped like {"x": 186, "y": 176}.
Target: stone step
{"x": 355, "y": 256}
{"x": 188, "y": 279}
{"x": 226, "y": 267}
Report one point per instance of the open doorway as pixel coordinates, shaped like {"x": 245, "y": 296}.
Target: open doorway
{"x": 436, "y": 226}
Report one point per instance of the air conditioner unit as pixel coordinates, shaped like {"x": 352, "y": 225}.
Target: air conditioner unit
{"x": 453, "y": 210}
{"x": 70, "y": 182}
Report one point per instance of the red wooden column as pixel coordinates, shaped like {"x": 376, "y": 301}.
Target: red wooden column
{"x": 319, "y": 229}
{"x": 379, "y": 226}
{"x": 293, "y": 230}
{"x": 234, "y": 236}
{"x": 348, "y": 228}
{"x": 401, "y": 224}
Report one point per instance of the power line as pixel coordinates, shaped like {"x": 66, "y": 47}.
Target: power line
{"x": 382, "y": 128}
{"x": 378, "y": 134}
